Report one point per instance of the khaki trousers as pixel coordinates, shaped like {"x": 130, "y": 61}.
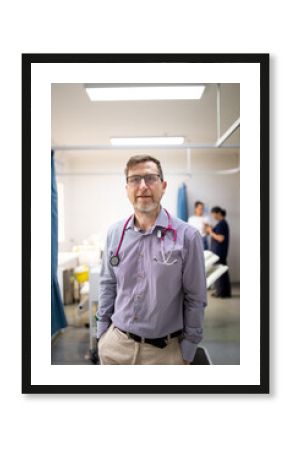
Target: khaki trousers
{"x": 115, "y": 347}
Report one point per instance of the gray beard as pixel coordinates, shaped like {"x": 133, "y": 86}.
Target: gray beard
{"x": 146, "y": 209}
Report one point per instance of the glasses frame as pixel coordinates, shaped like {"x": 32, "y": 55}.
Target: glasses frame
{"x": 142, "y": 177}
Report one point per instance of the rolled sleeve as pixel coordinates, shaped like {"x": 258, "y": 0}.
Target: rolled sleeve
{"x": 102, "y": 328}
{"x": 188, "y": 350}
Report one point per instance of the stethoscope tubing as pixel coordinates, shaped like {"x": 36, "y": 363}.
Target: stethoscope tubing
{"x": 115, "y": 257}
{"x": 122, "y": 236}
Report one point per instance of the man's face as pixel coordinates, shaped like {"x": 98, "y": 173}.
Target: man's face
{"x": 145, "y": 198}
{"x": 199, "y": 210}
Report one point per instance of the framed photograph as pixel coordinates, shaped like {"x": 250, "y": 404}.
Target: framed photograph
{"x": 205, "y": 119}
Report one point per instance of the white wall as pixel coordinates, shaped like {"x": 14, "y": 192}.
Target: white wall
{"x": 93, "y": 202}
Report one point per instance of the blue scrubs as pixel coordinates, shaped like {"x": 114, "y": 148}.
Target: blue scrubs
{"x": 205, "y": 242}
{"x": 222, "y": 285}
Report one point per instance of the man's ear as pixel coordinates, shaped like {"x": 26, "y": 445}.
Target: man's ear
{"x": 164, "y": 185}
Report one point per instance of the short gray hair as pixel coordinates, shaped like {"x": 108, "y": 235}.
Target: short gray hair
{"x": 137, "y": 159}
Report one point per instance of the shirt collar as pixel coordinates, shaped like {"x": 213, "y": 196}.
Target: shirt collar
{"x": 161, "y": 221}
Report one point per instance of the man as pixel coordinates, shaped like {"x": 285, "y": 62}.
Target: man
{"x": 152, "y": 285}
{"x": 199, "y": 221}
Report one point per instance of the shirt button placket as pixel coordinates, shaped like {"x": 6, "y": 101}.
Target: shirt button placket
{"x": 140, "y": 278}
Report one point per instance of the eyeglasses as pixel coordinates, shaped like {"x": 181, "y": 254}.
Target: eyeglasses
{"x": 149, "y": 179}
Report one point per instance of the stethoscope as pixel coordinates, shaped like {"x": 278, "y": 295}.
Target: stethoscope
{"x": 115, "y": 259}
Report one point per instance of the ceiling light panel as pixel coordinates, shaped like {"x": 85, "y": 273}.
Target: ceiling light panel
{"x": 146, "y": 92}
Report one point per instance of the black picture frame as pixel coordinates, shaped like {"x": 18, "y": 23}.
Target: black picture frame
{"x": 263, "y": 61}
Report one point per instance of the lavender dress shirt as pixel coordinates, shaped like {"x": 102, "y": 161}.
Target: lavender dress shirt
{"x": 143, "y": 295}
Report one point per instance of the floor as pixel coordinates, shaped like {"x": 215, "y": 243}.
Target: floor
{"x": 221, "y": 333}
{"x": 222, "y": 328}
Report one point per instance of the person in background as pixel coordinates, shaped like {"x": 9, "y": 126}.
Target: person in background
{"x": 199, "y": 221}
{"x": 220, "y": 236}
{"x": 152, "y": 290}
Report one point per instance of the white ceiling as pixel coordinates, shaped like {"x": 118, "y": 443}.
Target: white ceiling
{"x": 78, "y": 121}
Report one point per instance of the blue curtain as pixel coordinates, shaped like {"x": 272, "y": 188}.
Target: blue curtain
{"x": 58, "y": 319}
{"x": 182, "y": 212}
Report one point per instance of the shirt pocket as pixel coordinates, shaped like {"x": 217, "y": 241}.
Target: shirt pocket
{"x": 169, "y": 258}
{"x": 167, "y": 273}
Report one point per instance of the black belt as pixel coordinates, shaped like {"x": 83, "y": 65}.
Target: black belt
{"x": 158, "y": 342}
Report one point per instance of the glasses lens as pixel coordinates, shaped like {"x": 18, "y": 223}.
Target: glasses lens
{"x": 150, "y": 178}
{"x": 134, "y": 180}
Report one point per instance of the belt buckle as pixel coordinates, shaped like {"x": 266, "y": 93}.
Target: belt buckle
{"x": 162, "y": 343}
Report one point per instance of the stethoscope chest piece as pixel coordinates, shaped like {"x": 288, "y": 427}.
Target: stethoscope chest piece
{"x": 114, "y": 260}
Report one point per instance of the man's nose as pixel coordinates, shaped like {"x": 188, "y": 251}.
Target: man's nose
{"x": 142, "y": 184}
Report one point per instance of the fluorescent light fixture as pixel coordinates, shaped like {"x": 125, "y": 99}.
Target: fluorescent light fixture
{"x": 150, "y": 141}
{"x": 144, "y": 92}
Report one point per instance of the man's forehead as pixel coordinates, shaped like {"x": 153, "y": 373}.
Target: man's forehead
{"x": 143, "y": 167}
